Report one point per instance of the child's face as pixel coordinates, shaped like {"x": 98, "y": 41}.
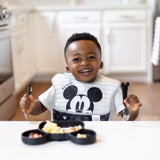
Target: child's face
{"x": 83, "y": 60}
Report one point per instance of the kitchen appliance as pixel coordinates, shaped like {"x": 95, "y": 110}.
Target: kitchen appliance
{"x": 5, "y": 15}
{"x": 7, "y": 97}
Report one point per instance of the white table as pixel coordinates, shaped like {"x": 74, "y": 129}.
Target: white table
{"x": 115, "y": 140}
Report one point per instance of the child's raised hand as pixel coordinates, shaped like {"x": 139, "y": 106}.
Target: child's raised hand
{"x": 132, "y": 102}
{"x": 26, "y": 103}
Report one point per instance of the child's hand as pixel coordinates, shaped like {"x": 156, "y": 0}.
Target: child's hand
{"x": 26, "y": 103}
{"x": 132, "y": 102}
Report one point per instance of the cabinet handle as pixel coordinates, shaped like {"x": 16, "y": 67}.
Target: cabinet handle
{"x": 20, "y": 44}
{"x": 127, "y": 17}
{"x": 80, "y": 18}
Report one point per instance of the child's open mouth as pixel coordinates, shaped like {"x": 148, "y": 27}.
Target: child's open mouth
{"x": 85, "y": 72}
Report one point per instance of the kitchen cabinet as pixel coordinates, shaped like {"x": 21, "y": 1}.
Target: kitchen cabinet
{"x": 126, "y": 42}
{"x": 124, "y": 35}
{"x": 46, "y": 47}
{"x": 21, "y": 50}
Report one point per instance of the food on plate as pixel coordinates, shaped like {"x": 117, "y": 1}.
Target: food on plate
{"x": 51, "y": 127}
{"x": 34, "y": 135}
{"x": 81, "y": 135}
{"x": 72, "y": 129}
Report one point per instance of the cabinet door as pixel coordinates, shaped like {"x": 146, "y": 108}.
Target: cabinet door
{"x": 21, "y": 50}
{"x": 21, "y": 58}
{"x": 125, "y": 48}
{"x": 46, "y": 43}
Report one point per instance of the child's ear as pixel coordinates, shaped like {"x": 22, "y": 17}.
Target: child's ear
{"x": 101, "y": 65}
{"x": 67, "y": 69}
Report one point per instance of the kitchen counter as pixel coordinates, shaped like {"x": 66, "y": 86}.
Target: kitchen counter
{"x": 20, "y": 9}
{"x": 91, "y": 7}
{"x": 115, "y": 140}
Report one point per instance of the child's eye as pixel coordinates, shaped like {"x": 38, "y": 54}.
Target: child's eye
{"x": 91, "y": 57}
{"x": 76, "y": 59}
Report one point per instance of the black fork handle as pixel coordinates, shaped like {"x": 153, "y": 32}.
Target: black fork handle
{"x": 125, "y": 92}
{"x": 29, "y": 89}
{"x": 124, "y": 89}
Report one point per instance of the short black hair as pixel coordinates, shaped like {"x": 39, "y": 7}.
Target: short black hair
{"x": 81, "y": 36}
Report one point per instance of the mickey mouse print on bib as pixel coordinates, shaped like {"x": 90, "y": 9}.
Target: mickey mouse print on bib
{"x": 81, "y": 103}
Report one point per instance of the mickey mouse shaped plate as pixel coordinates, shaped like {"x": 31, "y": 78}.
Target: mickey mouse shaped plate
{"x": 59, "y": 131}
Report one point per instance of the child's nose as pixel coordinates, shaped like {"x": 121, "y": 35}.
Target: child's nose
{"x": 85, "y": 62}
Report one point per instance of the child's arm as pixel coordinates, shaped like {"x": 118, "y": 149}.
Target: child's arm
{"x": 31, "y": 106}
{"x": 133, "y": 104}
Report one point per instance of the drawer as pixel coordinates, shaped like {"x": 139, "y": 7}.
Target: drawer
{"x": 6, "y": 89}
{"x": 8, "y": 108}
{"x": 22, "y": 20}
{"x": 19, "y": 20}
{"x": 79, "y": 16}
{"x": 127, "y": 15}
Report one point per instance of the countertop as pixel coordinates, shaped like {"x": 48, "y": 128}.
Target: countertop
{"x": 115, "y": 140}
{"x": 92, "y": 7}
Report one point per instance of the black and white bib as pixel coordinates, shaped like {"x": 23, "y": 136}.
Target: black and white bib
{"x": 69, "y": 99}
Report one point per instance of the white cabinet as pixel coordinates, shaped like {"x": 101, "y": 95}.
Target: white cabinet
{"x": 126, "y": 42}
{"x": 21, "y": 51}
{"x": 125, "y": 48}
{"x": 124, "y": 35}
{"x": 46, "y": 50}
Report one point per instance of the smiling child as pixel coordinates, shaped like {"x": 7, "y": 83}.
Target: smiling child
{"x": 82, "y": 93}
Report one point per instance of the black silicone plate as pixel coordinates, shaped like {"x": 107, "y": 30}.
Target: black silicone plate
{"x": 91, "y": 137}
{"x": 62, "y": 124}
{"x": 34, "y": 141}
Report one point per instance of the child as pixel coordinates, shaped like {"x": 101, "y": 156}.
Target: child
{"x": 82, "y": 93}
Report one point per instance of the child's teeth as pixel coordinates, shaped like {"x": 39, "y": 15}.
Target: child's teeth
{"x": 85, "y": 71}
